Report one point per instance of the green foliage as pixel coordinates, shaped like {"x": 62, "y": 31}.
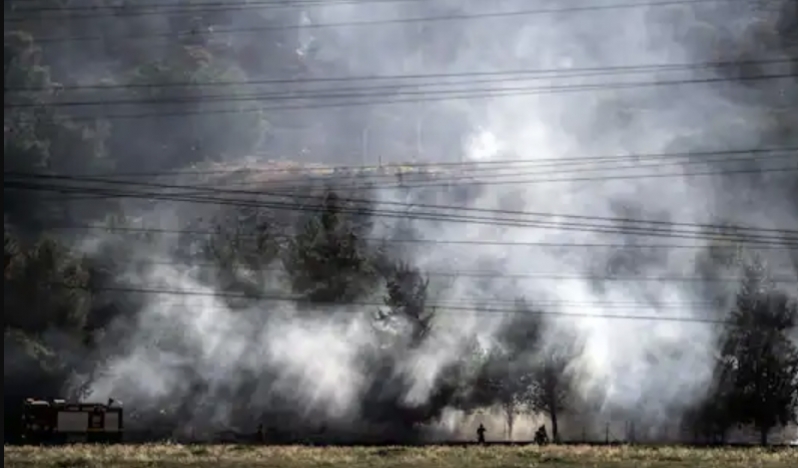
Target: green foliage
{"x": 50, "y": 290}
{"x": 32, "y": 368}
{"x": 328, "y": 261}
{"x": 245, "y": 237}
{"x": 242, "y": 249}
{"x": 38, "y": 138}
{"x": 45, "y": 286}
{"x": 46, "y": 307}
{"x": 31, "y": 353}
{"x": 758, "y": 343}
{"x": 711, "y": 419}
{"x": 207, "y": 125}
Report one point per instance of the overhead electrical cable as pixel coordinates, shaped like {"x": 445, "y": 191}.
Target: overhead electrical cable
{"x": 448, "y": 217}
{"x": 411, "y": 79}
{"x": 493, "y": 275}
{"x": 408, "y": 97}
{"x": 352, "y": 93}
{"x": 111, "y": 230}
{"x": 491, "y": 174}
{"x": 285, "y": 186}
{"x": 317, "y": 198}
{"x": 461, "y": 184}
{"x": 348, "y": 171}
{"x": 389, "y": 21}
{"x": 477, "y": 308}
{"x": 81, "y": 12}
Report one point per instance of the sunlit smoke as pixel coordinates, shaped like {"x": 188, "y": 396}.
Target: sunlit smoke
{"x": 484, "y": 146}
{"x": 314, "y": 363}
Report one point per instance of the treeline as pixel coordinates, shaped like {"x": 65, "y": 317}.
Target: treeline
{"x": 72, "y": 297}
{"x": 56, "y": 120}
{"x": 64, "y": 308}
{"x": 98, "y": 86}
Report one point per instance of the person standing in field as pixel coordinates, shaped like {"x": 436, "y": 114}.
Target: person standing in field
{"x": 481, "y": 434}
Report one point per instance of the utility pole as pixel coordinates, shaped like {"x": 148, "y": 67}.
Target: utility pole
{"x": 365, "y": 144}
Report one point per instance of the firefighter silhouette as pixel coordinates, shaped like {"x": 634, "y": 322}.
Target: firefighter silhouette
{"x": 481, "y": 434}
{"x": 260, "y": 434}
{"x": 541, "y": 436}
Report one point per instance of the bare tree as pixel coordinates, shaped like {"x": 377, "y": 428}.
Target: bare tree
{"x": 551, "y": 382}
{"x": 505, "y": 383}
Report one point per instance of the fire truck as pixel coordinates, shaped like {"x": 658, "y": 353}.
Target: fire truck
{"x": 57, "y": 421}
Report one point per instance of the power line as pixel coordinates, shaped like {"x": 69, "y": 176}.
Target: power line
{"x": 348, "y": 171}
{"x": 287, "y": 186}
{"x": 285, "y": 189}
{"x": 720, "y": 157}
{"x": 423, "y": 216}
{"x": 463, "y": 300}
{"x": 101, "y": 193}
{"x": 454, "y": 273}
{"x": 437, "y": 307}
{"x": 440, "y": 217}
{"x": 367, "y": 23}
{"x": 467, "y": 304}
{"x": 486, "y": 93}
{"x": 360, "y": 93}
{"x": 146, "y": 9}
{"x": 491, "y": 243}
{"x": 546, "y": 72}
{"x": 495, "y": 275}
{"x": 317, "y": 198}
{"x": 490, "y": 173}
{"x": 476, "y": 183}
{"x": 453, "y": 93}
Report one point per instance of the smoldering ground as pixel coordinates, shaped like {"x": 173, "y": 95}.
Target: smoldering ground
{"x": 203, "y": 362}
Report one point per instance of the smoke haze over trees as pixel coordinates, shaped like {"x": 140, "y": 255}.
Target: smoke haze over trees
{"x": 604, "y": 225}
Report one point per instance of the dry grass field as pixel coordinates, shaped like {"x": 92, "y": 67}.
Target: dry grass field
{"x": 174, "y": 456}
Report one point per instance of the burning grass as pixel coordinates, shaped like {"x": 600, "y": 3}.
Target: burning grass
{"x": 242, "y": 456}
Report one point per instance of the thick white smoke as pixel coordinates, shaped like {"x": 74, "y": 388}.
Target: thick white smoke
{"x": 315, "y": 361}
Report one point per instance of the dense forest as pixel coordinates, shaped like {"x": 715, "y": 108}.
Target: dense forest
{"x": 145, "y": 261}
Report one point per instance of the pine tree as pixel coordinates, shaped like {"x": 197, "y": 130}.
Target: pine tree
{"x": 765, "y": 359}
{"x": 328, "y": 261}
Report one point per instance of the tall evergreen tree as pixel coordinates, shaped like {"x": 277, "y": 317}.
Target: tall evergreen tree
{"x": 758, "y": 342}
{"x": 328, "y": 261}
